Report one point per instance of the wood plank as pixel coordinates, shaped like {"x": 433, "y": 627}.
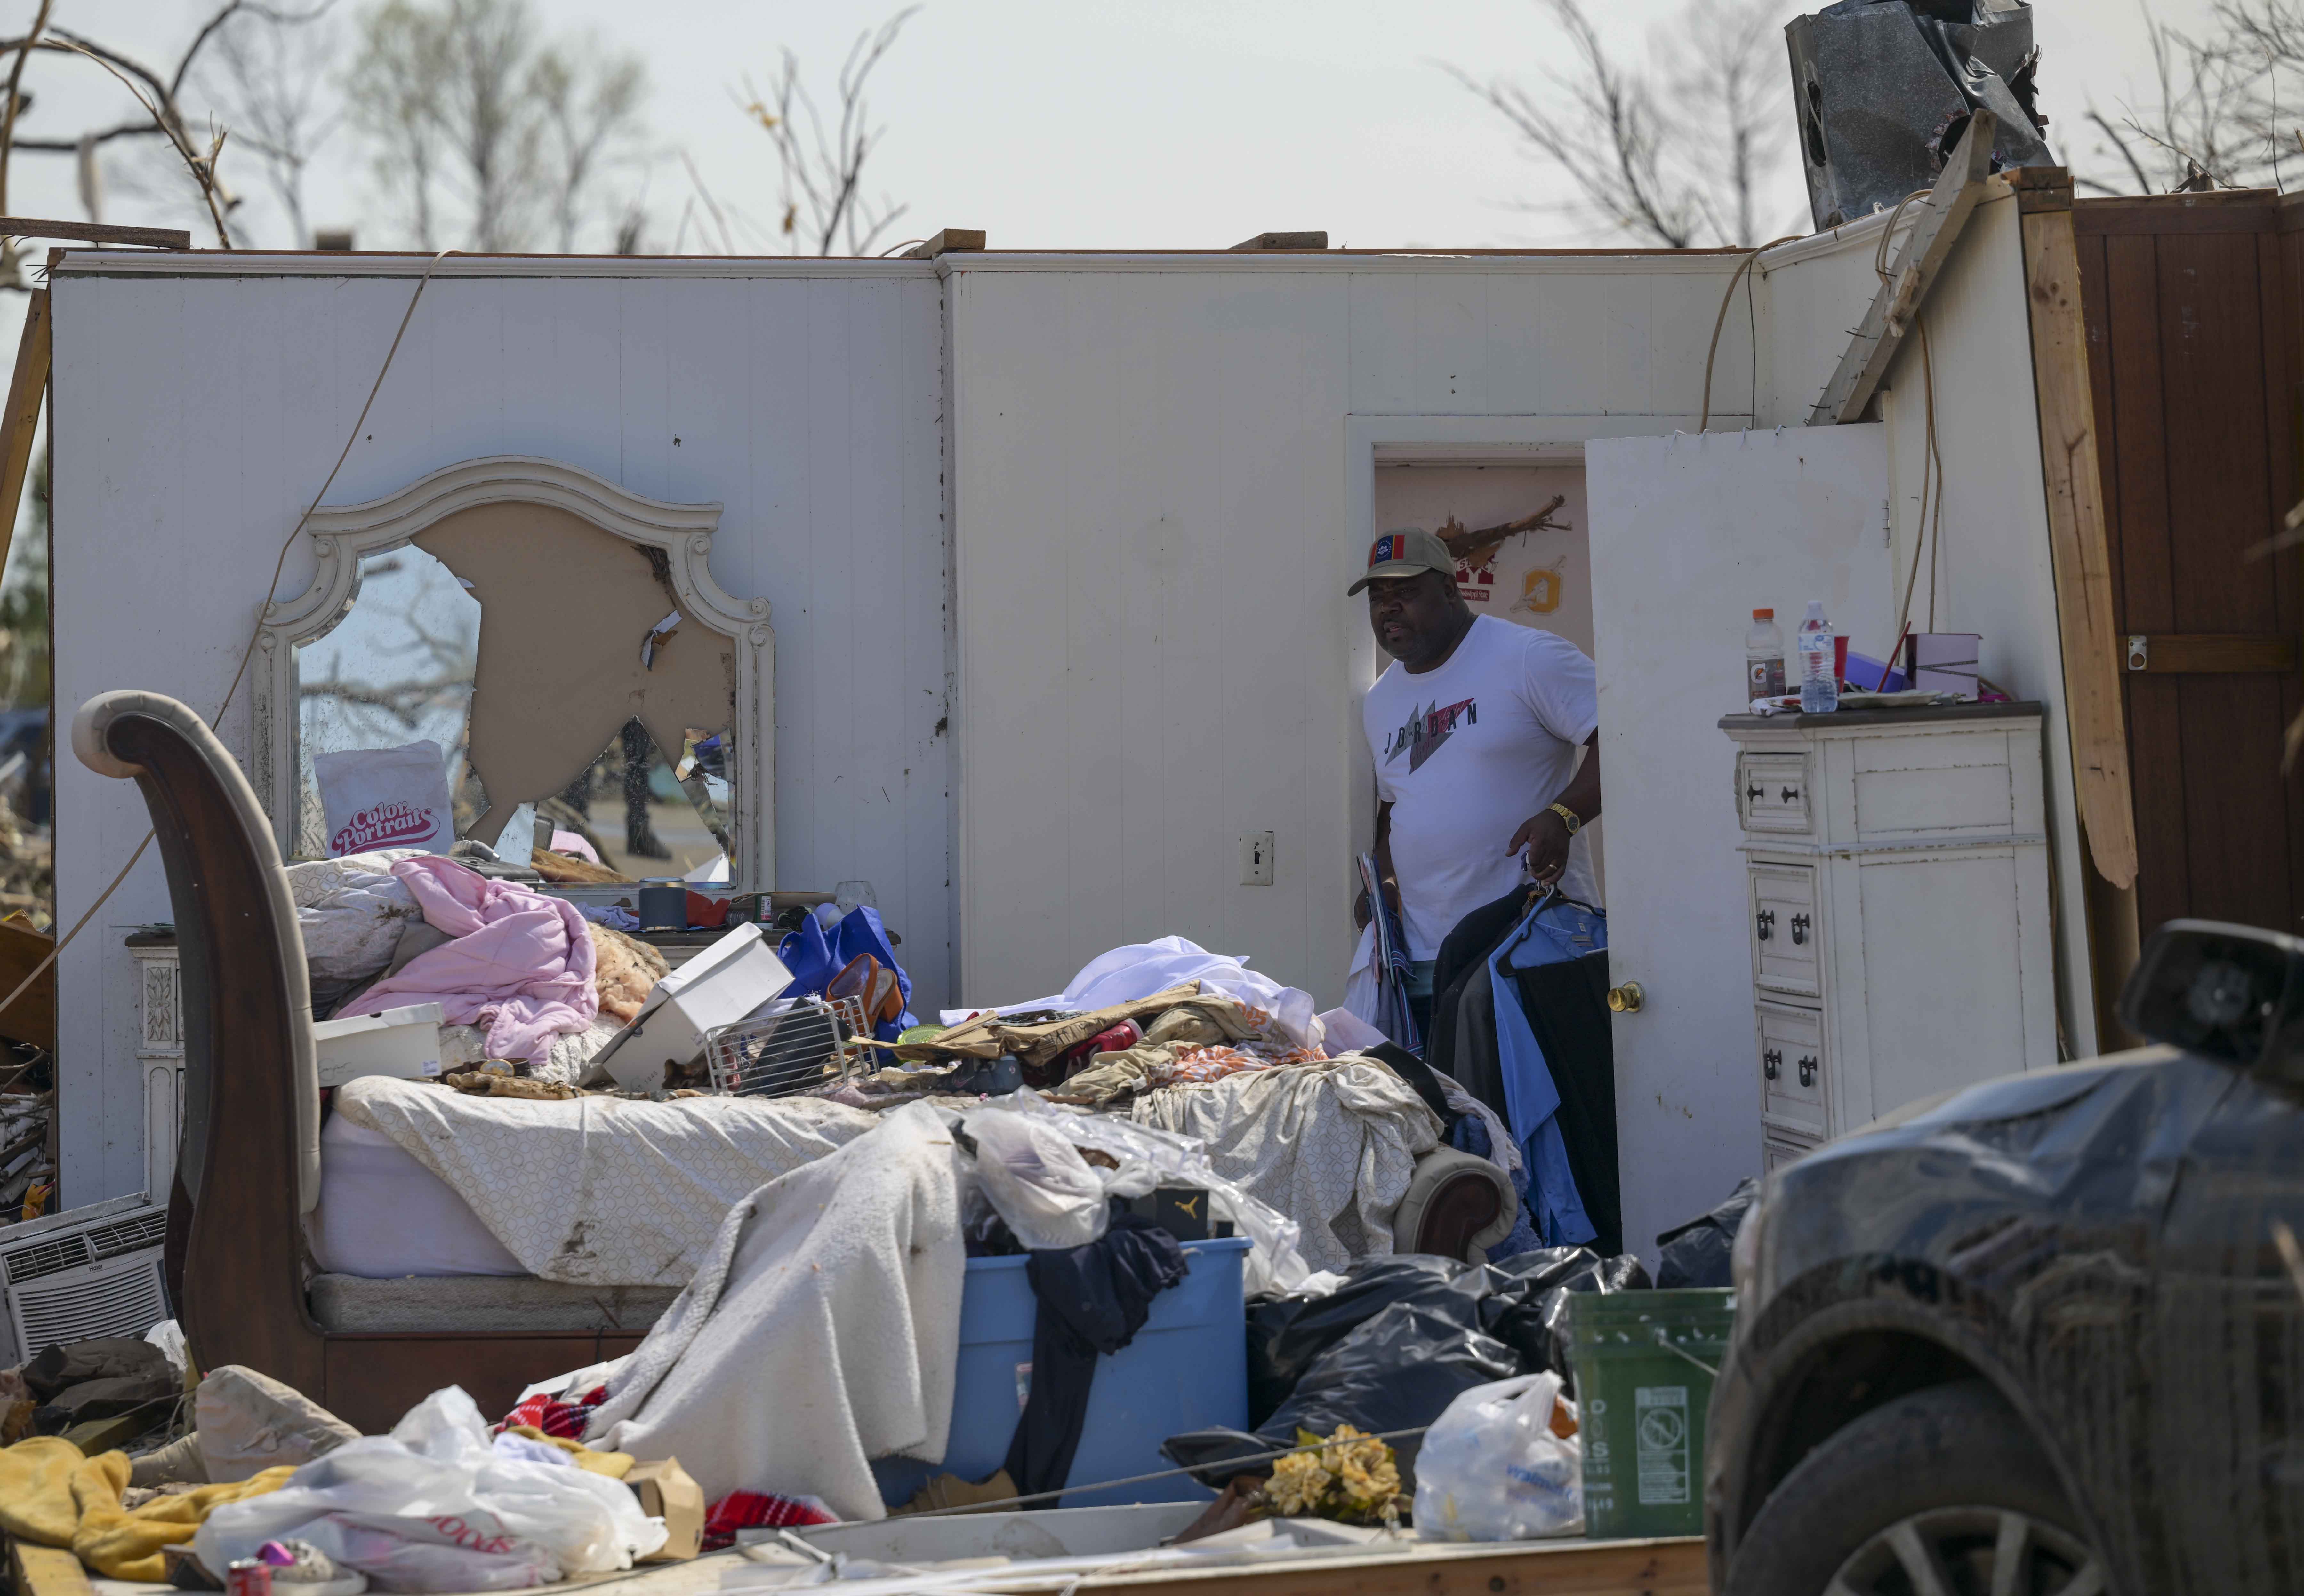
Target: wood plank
{"x": 2078, "y": 550}
{"x": 1935, "y": 229}
{"x": 46, "y": 1570}
{"x": 2213, "y": 653}
{"x": 2163, "y": 888}
{"x": 21, "y": 420}
{"x": 1675, "y": 1567}
{"x": 94, "y": 232}
{"x": 2247, "y": 211}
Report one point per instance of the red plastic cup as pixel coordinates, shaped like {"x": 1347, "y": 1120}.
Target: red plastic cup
{"x": 1840, "y": 657}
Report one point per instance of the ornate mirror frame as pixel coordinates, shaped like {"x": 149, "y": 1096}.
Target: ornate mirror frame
{"x": 343, "y": 534}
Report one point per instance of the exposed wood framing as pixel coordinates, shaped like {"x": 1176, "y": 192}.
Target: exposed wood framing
{"x": 2080, "y": 552}
{"x": 1926, "y": 248}
{"x": 94, "y": 232}
{"x": 22, "y": 418}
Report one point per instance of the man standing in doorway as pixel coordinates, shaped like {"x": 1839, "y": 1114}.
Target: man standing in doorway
{"x": 1474, "y": 729}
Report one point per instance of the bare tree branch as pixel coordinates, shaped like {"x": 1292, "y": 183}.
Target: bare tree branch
{"x": 823, "y": 166}
{"x": 1678, "y": 154}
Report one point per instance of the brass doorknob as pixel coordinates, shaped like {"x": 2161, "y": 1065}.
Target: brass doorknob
{"x": 1625, "y": 998}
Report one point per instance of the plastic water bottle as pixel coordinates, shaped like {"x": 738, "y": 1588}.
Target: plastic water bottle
{"x": 1819, "y": 659}
{"x": 1764, "y": 657}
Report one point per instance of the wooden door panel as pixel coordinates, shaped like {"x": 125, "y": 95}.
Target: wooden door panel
{"x": 2192, "y": 318}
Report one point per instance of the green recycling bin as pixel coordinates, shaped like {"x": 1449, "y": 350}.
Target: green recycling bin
{"x": 1645, "y": 1361}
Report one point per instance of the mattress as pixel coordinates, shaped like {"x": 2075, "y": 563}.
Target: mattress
{"x": 382, "y": 1214}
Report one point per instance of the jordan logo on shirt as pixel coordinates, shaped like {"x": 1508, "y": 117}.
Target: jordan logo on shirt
{"x": 1423, "y": 734}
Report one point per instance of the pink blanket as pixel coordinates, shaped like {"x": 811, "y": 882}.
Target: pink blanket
{"x": 520, "y": 965}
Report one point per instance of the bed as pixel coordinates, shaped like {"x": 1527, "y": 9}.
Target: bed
{"x": 251, "y": 1285}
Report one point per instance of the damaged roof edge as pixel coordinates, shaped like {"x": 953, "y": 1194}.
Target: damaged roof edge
{"x": 220, "y": 263}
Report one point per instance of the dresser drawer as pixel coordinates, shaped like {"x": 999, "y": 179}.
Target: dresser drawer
{"x": 1793, "y": 1091}
{"x": 1787, "y": 932}
{"x": 1953, "y": 785}
{"x": 1777, "y": 1150}
{"x": 1772, "y": 793}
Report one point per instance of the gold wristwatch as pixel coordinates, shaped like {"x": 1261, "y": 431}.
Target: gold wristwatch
{"x": 1575, "y": 822}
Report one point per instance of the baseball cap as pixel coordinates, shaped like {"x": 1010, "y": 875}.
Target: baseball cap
{"x": 1405, "y": 553}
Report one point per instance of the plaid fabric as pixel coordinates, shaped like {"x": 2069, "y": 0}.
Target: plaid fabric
{"x": 556, "y": 1415}
{"x": 756, "y": 1510}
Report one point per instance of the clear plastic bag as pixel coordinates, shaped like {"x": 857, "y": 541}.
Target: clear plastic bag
{"x": 1492, "y": 1469}
{"x": 1150, "y": 1157}
{"x": 1037, "y": 1181}
{"x": 435, "y": 1507}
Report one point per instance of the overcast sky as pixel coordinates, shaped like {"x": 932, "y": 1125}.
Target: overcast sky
{"x": 1104, "y": 124}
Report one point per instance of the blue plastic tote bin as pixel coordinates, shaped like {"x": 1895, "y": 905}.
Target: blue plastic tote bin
{"x": 1187, "y": 1369}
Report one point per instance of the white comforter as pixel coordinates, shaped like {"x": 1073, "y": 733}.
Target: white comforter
{"x": 822, "y": 1331}
{"x": 599, "y": 1191}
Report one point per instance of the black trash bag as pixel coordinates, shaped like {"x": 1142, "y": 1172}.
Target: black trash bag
{"x": 1399, "y": 1371}
{"x": 1527, "y": 1309}
{"x": 1695, "y": 1253}
{"x": 1286, "y": 1334}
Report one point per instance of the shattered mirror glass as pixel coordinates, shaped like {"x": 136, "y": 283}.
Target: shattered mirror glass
{"x": 397, "y": 669}
{"x": 641, "y": 814}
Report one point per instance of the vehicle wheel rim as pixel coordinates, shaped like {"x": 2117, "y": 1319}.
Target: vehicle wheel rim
{"x": 1971, "y": 1551}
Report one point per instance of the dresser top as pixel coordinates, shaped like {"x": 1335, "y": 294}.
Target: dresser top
{"x": 1934, "y": 716}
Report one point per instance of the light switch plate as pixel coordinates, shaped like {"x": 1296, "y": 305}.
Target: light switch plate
{"x": 1256, "y": 859}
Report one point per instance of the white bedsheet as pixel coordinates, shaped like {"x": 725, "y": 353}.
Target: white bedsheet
{"x": 598, "y": 1191}
{"x": 382, "y": 1214}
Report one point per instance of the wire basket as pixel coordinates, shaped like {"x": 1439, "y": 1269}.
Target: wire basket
{"x": 804, "y": 1047}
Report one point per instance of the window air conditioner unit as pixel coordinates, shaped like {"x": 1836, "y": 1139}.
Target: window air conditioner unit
{"x": 71, "y": 1277}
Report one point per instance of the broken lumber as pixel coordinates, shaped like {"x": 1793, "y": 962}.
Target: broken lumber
{"x": 1941, "y": 217}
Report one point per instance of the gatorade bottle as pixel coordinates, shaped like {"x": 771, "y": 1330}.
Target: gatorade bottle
{"x": 1819, "y": 663}
{"x": 1764, "y": 657}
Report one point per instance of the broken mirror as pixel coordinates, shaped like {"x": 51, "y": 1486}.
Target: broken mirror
{"x": 425, "y": 717}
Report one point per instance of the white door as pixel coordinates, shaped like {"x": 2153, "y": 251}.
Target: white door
{"x": 1690, "y": 534}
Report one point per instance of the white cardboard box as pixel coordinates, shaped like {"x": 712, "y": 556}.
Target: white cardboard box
{"x": 727, "y": 981}
{"x": 401, "y": 1043}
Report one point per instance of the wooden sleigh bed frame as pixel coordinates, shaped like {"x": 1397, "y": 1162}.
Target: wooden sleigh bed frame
{"x": 240, "y": 1277}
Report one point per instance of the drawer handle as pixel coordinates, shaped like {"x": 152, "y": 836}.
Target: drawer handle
{"x": 1755, "y": 794}
{"x": 1772, "y": 1063}
{"x": 1766, "y": 921}
{"x": 1799, "y": 931}
{"x": 1808, "y": 1072}
{"x": 1791, "y": 793}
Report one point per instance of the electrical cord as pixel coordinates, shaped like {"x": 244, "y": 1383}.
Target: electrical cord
{"x": 1721, "y": 321}
{"x": 249, "y": 652}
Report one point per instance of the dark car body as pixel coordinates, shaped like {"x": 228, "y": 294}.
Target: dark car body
{"x": 2101, "y": 1243}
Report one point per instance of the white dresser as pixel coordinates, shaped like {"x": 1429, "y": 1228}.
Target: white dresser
{"x": 1897, "y": 908}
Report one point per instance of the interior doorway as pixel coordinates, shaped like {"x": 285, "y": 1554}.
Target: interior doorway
{"x": 1540, "y": 578}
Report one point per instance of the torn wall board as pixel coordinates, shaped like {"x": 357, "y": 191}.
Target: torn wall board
{"x": 1885, "y": 90}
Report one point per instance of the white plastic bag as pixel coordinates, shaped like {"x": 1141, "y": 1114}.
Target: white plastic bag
{"x": 385, "y": 797}
{"x": 1491, "y": 1469}
{"x": 1174, "y": 1159}
{"x": 1037, "y": 1181}
{"x": 435, "y": 1507}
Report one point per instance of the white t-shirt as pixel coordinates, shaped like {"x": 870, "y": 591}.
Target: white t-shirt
{"x": 1466, "y": 752}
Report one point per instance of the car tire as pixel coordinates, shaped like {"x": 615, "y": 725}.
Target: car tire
{"x": 1947, "y": 1475}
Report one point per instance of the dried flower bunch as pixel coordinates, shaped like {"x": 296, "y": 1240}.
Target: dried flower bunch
{"x": 1353, "y": 1478}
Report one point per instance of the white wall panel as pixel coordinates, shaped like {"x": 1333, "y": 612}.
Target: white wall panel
{"x": 1152, "y": 545}
{"x": 196, "y": 415}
